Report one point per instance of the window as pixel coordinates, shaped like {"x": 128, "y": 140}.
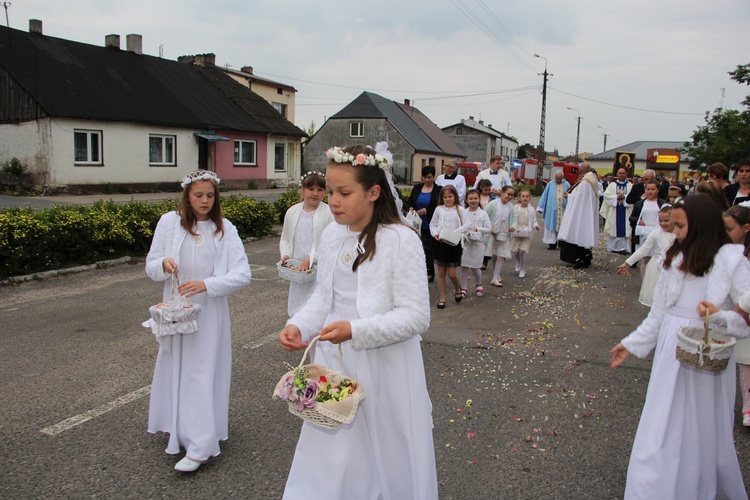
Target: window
{"x": 88, "y": 147}
{"x": 244, "y": 153}
{"x": 279, "y": 157}
{"x": 459, "y": 130}
{"x": 356, "y": 129}
{"x": 161, "y": 149}
{"x": 281, "y": 108}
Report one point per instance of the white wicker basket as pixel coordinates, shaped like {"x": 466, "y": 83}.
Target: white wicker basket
{"x": 704, "y": 348}
{"x": 331, "y": 414}
{"x": 299, "y": 277}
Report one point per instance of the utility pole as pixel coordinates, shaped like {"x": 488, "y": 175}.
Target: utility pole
{"x": 605, "y": 137}
{"x": 578, "y": 130}
{"x": 542, "y": 153}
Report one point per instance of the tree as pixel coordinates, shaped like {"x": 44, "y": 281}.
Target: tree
{"x": 726, "y": 136}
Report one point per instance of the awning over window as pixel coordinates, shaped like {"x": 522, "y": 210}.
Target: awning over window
{"x": 211, "y": 137}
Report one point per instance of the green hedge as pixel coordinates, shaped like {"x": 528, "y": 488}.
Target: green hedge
{"x": 41, "y": 240}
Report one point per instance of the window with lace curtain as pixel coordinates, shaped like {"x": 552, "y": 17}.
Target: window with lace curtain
{"x": 87, "y": 147}
{"x": 161, "y": 149}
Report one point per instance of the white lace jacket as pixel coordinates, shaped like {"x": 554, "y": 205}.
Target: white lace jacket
{"x": 321, "y": 218}
{"x": 392, "y": 297}
{"x": 728, "y": 280}
{"x": 231, "y": 269}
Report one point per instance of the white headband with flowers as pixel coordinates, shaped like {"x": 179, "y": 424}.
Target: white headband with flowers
{"x": 199, "y": 175}
{"x": 311, "y": 172}
{"x": 382, "y": 157}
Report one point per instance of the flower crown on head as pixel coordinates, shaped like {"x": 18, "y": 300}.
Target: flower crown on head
{"x": 311, "y": 172}
{"x": 199, "y": 175}
{"x": 382, "y": 157}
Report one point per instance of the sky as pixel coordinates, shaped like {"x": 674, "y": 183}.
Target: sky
{"x": 633, "y": 70}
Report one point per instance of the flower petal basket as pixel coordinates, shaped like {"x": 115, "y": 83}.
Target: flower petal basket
{"x": 300, "y": 277}
{"x": 704, "y": 348}
{"x": 328, "y": 414}
{"x": 178, "y": 315}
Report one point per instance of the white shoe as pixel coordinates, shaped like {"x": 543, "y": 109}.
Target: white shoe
{"x": 496, "y": 283}
{"x": 187, "y": 465}
{"x": 746, "y": 419}
{"x": 522, "y": 274}
{"x": 518, "y": 267}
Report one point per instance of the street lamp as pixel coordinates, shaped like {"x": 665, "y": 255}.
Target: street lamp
{"x": 578, "y": 131}
{"x": 542, "y": 155}
{"x": 605, "y": 138}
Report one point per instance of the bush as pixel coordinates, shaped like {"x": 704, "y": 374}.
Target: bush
{"x": 33, "y": 241}
{"x": 15, "y": 167}
{"x": 284, "y": 202}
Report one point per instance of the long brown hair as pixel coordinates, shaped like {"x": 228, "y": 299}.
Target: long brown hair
{"x": 714, "y": 191}
{"x": 706, "y": 234}
{"x": 187, "y": 215}
{"x": 741, "y": 215}
{"x": 384, "y": 207}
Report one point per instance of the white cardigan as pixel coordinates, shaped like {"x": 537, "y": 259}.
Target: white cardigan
{"x": 531, "y": 223}
{"x": 231, "y": 269}
{"x": 728, "y": 280}
{"x": 392, "y": 296}
{"x": 321, "y": 218}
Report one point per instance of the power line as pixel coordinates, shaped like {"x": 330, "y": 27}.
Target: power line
{"x": 627, "y": 107}
{"x": 479, "y": 23}
{"x": 506, "y": 30}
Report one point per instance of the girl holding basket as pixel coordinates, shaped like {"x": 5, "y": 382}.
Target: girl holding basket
{"x": 372, "y": 299}
{"x": 190, "y": 390}
{"x": 524, "y": 227}
{"x": 300, "y": 236}
{"x": 684, "y": 446}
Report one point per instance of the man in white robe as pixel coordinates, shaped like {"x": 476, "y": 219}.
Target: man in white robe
{"x": 552, "y": 206}
{"x": 453, "y": 178}
{"x": 497, "y": 176}
{"x": 579, "y": 230}
{"x": 616, "y": 211}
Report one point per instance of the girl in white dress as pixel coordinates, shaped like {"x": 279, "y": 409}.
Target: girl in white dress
{"x": 300, "y": 236}
{"x": 372, "y": 299}
{"x": 737, "y": 223}
{"x": 684, "y": 446}
{"x": 645, "y": 216}
{"x": 502, "y": 219}
{"x": 656, "y": 244}
{"x": 473, "y": 254}
{"x": 448, "y": 214}
{"x": 523, "y": 228}
{"x": 190, "y": 390}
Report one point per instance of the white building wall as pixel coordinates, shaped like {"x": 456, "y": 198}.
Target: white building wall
{"x": 30, "y": 143}
{"x": 125, "y": 153}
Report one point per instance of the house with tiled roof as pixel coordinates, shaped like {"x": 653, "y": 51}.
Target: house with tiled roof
{"x": 481, "y": 141}
{"x": 85, "y": 116}
{"x": 662, "y": 156}
{"x": 414, "y": 140}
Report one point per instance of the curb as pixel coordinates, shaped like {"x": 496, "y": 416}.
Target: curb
{"x": 62, "y": 272}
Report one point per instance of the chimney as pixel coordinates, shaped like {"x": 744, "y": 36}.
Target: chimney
{"x": 135, "y": 43}
{"x": 186, "y": 59}
{"x": 247, "y": 69}
{"x": 481, "y": 122}
{"x": 35, "y": 26}
{"x": 205, "y": 59}
{"x": 471, "y": 118}
{"x": 407, "y": 102}
{"x": 112, "y": 42}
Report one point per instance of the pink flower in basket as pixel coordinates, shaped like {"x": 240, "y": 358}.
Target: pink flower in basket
{"x": 307, "y": 397}
{"x": 288, "y": 391}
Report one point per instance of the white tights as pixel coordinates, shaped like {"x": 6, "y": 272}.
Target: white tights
{"x": 465, "y": 276}
{"x": 497, "y": 263}
{"x": 521, "y": 259}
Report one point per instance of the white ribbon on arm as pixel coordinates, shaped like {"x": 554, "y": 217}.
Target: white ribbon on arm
{"x": 382, "y": 149}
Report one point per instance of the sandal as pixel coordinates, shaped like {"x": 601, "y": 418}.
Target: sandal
{"x": 441, "y": 304}
{"x": 463, "y": 293}
{"x": 480, "y": 290}
{"x": 458, "y": 296}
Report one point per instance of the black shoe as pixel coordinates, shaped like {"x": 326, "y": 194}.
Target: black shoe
{"x": 552, "y": 247}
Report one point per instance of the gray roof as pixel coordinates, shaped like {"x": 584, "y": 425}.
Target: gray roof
{"x": 433, "y": 131}
{"x": 473, "y": 124}
{"x": 369, "y": 105}
{"x": 640, "y": 148}
{"x": 78, "y": 80}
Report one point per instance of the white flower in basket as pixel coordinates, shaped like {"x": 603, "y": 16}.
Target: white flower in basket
{"x": 178, "y": 315}
{"x": 290, "y": 272}
{"x": 703, "y": 347}
{"x": 320, "y": 395}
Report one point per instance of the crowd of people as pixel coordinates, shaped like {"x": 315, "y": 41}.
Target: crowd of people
{"x": 369, "y": 305}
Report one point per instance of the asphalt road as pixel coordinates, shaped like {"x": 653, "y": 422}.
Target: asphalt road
{"x": 524, "y": 403}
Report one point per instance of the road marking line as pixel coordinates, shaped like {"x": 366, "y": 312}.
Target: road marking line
{"x": 86, "y": 416}
{"x": 71, "y": 422}
{"x": 264, "y": 340}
